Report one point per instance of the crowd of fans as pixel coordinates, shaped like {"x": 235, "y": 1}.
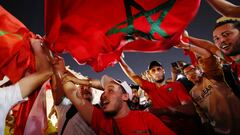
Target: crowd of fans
{"x": 200, "y": 98}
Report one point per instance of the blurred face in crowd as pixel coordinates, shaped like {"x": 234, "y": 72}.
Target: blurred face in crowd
{"x": 157, "y": 73}
{"x": 135, "y": 99}
{"x": 192, "y": 74}
{"x": 86, "y": 92}
{"x": 227, "y": 38}
{"x": 113, "y": 98}
{"x": 134, "y": 92}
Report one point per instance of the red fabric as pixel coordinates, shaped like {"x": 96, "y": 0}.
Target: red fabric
{"x": 170, "y": 95}
{"x": 23, "y": 112}
{"x": 38, "y": 115}
{"x": 135, "y": 123}
{"x": 192, "y": 57}
{"x": 82, "y": 28}
{"x": 15, "y": 56}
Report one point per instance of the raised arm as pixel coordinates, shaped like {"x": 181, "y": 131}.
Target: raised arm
{"x": 31, "y": 82}
{"x": 43, "y": 67}
{"x": 41, "y": 54}
{"x": 130, "y": 73}
{"x": 73, "y": 93}
{"x": 56, "y": 80}
{"x": 84, "y": 107}
{"x": 89, "y": 82}
{"x": 57, "y": 90}
{"x": 208, "y": 62}
{"x": 204, "y": 53}
{"x": 225, "y": 8}
{"x": 205, "y": 44}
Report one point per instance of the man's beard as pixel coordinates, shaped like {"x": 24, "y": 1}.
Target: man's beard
{"x": 110, "y": 114}
{"x": 161, "y": 80}
{"x": 236, "y": 49}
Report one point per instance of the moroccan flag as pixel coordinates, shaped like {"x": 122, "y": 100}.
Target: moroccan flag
{"x": 37, "y": 119}
{"x": 16, "y": 56}
{"x": 92, "y": 30}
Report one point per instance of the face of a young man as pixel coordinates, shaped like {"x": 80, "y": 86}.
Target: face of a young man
{"x": 192, "y": 74}
{"x": 157, "y": 74}
{"x": 112, "y": 98}
{"x": 227, "y": 39}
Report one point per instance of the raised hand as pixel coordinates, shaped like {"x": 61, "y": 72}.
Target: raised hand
{"x": 41, "y": 57}
{"x": 58, "y": 66}
{"x": 183, "y": 45}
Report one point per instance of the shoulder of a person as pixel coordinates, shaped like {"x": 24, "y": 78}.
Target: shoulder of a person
{"x": 141, "y": 113}
{"x": 175, "y": 83}
{"x": 147, "y": 84}
{"x": 195, "y": 88}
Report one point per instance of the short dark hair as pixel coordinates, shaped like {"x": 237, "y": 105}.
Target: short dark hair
{"x": 236, "y": 23}
{"x": 153, "y": 64}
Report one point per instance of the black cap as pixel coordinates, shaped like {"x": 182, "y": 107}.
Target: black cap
{"x": 154, "y": 64}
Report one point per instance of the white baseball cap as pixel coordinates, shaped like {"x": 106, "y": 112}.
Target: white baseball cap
{"x": 107, "y": 79}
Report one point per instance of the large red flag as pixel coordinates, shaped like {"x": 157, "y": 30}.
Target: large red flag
{"x": 91, "y": 30}
{"x": 16, "y": 56}
{"x": 37, "y": 120}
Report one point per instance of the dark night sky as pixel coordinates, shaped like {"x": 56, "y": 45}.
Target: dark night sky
{"x": 30, "y": 12}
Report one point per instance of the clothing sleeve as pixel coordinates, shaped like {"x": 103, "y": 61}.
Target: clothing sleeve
{"x": 211, "y": 68}
{"x": 183, "y": 95}
{"x": 11, "y": 95}
{"x": 148, "y": 86}
{"x": 155, "y": 125}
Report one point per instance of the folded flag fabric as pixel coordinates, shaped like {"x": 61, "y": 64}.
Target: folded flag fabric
{"x": 16, "y": 56}
{"x": 92, "y": 30}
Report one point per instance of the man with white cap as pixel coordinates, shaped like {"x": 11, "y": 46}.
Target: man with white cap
{"x": 115, "y": 117}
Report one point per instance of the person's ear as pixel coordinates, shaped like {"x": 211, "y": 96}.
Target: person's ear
{"x": 125, "y": 96}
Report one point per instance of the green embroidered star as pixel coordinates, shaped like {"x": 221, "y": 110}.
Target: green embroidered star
{"x": 165, "y": 7}
{"x": 170, "y": 89}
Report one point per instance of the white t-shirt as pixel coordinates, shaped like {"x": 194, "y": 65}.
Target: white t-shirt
{"x": 76, "y": 125}
{"x": 9, "y": 96}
